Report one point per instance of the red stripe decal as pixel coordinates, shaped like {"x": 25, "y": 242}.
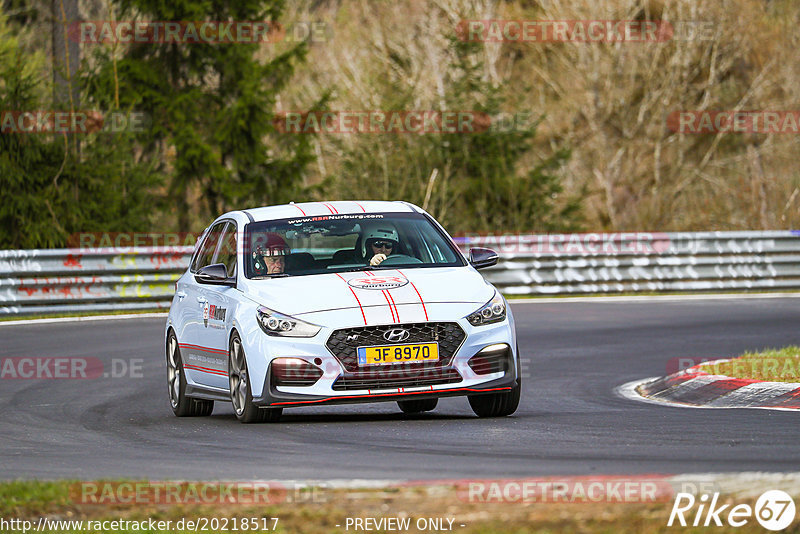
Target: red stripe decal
{"x": 329, "y": 208}
{"x": 360, "y": 206}
{"x": 205, "y": 370}
{"x": 205, "y": 349}
{"x": 301, "y": 209}
{"x": 417, "y": 290}
{"x": 390, "y": 305}
{"x": 385, "y": 395}
{"x": 396, "y": 311}
{"x": 356, "y": 297}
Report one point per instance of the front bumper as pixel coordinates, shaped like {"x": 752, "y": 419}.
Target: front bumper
{"x": 278, "y": 399}
{"x": 323, "y": 392}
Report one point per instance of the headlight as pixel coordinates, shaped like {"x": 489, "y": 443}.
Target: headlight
{"x": 278, "y": 324}
{"x": 493, "y": 311}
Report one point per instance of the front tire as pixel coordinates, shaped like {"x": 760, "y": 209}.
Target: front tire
{"x": 417, "y": 405}
{"x": 496, "y": 404}
{"x": 241, "y": 395}
{"x": 182, "y": 406}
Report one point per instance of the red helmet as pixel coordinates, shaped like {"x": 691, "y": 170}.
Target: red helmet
{"x": 271, "y": 245}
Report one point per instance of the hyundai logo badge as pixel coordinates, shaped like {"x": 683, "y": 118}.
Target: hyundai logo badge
{"x": 396, "y": 335}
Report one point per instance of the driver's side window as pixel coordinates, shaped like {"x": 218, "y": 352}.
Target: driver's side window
{"x": 209, "y": 246}
{"x": 227, "y": 250}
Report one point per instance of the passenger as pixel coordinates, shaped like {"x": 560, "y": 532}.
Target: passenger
{"x": 270, "y": 257}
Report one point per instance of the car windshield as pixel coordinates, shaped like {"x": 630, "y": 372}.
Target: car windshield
{"x": 341, "y": 243}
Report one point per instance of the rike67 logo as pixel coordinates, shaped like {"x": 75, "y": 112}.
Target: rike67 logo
{"x": 774, "y": 510}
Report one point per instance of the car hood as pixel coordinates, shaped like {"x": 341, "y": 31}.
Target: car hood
{"x": 384, "y": 291}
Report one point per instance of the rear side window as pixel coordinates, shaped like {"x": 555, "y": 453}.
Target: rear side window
{"x": 209, "y": 246}
{"x": 227, "y": 250}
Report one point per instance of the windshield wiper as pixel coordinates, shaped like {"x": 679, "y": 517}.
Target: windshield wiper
{"x": 275, "y": 275}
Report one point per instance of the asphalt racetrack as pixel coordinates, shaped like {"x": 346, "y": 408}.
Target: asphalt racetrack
{"x": 570, "y": 420}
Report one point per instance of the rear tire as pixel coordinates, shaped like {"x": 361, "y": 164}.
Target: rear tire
{"x": 417, "y": 405}
{"x": 496, "y": 404}
{"x": 241, "y": 395}
{"x": 182, "y": 406}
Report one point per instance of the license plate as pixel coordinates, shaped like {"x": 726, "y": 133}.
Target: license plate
{"x": 391, "y": 354}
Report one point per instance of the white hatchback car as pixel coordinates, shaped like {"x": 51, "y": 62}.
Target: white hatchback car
{"x": 337, "y": 302}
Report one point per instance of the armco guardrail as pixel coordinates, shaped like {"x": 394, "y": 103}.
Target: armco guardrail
{"x": 643, "y": 262}
{"x": 76, "y": 280}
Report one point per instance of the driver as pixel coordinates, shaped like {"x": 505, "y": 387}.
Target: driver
{"x": 379, "y": 243}
{"x": 270, "y": 256}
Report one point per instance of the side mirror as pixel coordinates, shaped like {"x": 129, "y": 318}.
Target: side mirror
{"x": 214, "y": 274}
{"x": 481, "y": 258}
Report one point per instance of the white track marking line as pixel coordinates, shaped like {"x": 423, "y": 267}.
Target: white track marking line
{"x": 655, "y": 298}
{"x": 87, "y": 318}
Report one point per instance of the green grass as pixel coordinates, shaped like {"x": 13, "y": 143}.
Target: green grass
{"x": 773, "y": 365}
{"x": 23, "y": 499}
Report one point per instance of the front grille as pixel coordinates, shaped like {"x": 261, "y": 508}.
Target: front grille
{"x": 343, "y": 343}
{"x": 396, "y": 378}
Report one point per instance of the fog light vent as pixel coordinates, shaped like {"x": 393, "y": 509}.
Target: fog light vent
{"x": 491, "y": 359}
{"x": 294, "y": 372}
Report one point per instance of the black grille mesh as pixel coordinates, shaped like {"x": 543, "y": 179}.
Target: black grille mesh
{"x": 343, "y": 343}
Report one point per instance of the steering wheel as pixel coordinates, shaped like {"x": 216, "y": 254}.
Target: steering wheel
{"x": 399, "y": 259}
